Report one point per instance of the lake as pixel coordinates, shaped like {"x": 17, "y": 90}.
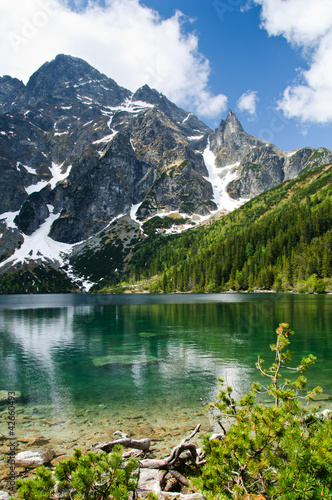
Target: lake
{"x": 87, "y": 365}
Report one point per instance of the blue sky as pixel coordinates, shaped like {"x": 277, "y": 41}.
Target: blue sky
{"x": 267, "y": 60}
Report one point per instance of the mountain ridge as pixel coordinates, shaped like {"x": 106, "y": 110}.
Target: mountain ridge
{"x": 79, "y": 153}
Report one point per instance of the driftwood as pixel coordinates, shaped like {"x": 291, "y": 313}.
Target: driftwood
{"x": 126, "y": 441}
{"x": 179, "y": 477}
{"x": 153, "y": 472}
{"x": 184, "y": 450}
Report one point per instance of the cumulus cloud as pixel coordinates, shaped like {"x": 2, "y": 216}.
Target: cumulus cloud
{"x": 122, "y": 38}
{"x": 306, "y": 24}
{"x": 247, "y": 102}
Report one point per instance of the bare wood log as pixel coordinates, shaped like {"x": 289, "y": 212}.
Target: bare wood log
{"x": 127, "y": 442}
{"x": 179, "y": 477}
{"x": 184, "y": 446}
{"x": 121, "y": 434}
{"x": 151, "y": 463}
{"x": 172, "y": 484}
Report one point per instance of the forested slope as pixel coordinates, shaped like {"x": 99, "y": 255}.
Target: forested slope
{"x": 281, "y": 240}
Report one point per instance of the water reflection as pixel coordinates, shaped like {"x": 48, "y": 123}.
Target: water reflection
{"x": 28, "y": 363}
{"x": 74, "y": 352}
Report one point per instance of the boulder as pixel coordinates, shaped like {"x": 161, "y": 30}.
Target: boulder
{"x": 150, "y": 480}
{"x": 4, "y": 495}
{"x": 33, "y": 458}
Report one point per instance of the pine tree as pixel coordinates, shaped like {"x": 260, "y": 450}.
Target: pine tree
{"x": 280, "y": 450}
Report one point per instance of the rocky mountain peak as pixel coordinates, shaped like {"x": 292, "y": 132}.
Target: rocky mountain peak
{"x": 62, "y": 69}
{"x": 152, "y": 96}
{"x": 230, "y": 143}
{"x": 147, "y": 94}
{"x": 68, "y": 76}
{"x": 231, "y": 125}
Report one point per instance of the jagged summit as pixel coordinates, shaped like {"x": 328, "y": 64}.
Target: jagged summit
{"x": 231, "y": 125}
{"x": 62, "y": 69}
{"x": 147, "y": 94}
{"x": 230, "y": 143}
{"x": 67, "y": 76}
{"x": 152, "y": 96}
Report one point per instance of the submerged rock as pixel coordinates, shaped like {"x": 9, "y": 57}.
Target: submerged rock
{"x": 123, "y": 359}
{"x": 4, "y": 396}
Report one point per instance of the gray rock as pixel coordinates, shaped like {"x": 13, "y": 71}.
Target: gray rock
{"x": 4, "y": 495}
{"x": 33, "y": 458}
{"x": 9, "y": 89}
{"x": 33, "y": 213}
{"x": 150, "y": 480}
{"x": 230, "y": 143}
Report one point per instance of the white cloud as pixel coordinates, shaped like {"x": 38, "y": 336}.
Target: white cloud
{"x": 247, "y": 102}
{"x": 125, "y": 40}
{"x": 306, "y": 24}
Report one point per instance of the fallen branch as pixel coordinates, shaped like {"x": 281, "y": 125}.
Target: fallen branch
{"x": 126, "y": 441}
{"x": 166, "y": 463}
{"x": 179, "y": 477}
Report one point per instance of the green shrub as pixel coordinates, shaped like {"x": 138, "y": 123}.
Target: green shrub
{"x": 93, "y": 476}
{"x": 279, "y": 450}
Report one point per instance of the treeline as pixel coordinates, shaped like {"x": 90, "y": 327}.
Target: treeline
{"x": 35, "y": 279}
{"x": 280, "y": 241}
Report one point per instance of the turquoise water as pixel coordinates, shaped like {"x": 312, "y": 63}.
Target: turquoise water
{"x": 86, "y": 364}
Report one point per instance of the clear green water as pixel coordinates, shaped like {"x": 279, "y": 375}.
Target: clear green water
{"x": 88, "y": 365}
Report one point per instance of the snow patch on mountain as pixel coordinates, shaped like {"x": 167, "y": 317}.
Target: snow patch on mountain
{"x": 187, "y": 117}
{"x": 57, "y": 134}
{"x": 39, "y": 246}
{"x": 28, "y": 169}
{"x": 195, "y": 137}
{"x": 291, "y": 153}
{"x": 128, "y": 106}
{"x": 57, "y": 174}
{"x": 133, "y": 212}
{"x": 8, "y": 218}
{"x": 35, "y": 188}
{"x": 219, "y": 179}
{"x": 106, "y": 138}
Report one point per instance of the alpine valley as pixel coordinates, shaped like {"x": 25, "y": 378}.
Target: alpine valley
{"x": 106, "y": 190}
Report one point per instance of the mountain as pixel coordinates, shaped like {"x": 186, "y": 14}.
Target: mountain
{"x": 90, "y": 169}
{"x": 280, "y": 240}
{"x": 256, "y": 164}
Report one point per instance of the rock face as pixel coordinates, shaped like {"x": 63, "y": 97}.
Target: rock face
{"x": 230, "y": 143}
{"x": 9, "y": 89}
{"x": 265, "y": 167}
{"x": 259, "y": 165}
{"x": 77, "y": 152}
{"x": 77, "y": 141}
